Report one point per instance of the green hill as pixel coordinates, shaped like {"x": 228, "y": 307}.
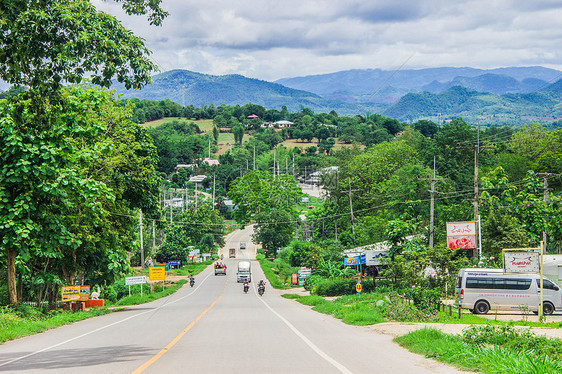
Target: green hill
{"x": 190, "y": 88}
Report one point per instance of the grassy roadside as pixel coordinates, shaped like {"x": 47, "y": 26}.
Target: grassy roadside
{"x": 372, "y": 308}
{"x": 277, "y": 272}
{"x": 24, "y": 320}
{"x": 517, "y": 356}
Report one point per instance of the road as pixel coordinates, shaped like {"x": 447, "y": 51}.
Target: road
{"x": 214, "y": 328}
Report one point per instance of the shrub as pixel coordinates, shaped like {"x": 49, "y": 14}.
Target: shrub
{"x": 312, "y": 281}
{"x": 336, "y": 287}
{"x": 424, "y": 299}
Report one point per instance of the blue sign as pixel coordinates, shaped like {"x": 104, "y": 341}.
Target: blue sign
{"x": 353, "y": 261}
{"x": 174, "y": 263}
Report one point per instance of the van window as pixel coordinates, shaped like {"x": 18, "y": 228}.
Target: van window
{"x": 498, "y": 283}
{"x": 547, "y": 285}
{"x": 459, "y": 282}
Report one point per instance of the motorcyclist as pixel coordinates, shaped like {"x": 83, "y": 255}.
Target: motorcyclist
{"x": 246, "y": 286}
{"x": 261, "y": 283}
{"x": 191, "y": 281}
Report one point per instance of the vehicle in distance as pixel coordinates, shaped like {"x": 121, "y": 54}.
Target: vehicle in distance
{"x": 220, "y": 269}
{"x": 482, "y": 290}
{"x": 244, "y": 272}
{"x": 242, "y": 245}
{"x": 232, "y": 253}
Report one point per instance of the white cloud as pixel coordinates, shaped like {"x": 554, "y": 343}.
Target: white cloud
{"x": 268, "y": 39}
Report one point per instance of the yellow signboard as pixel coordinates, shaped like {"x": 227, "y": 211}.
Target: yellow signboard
{"x": 84, "y": 293}
{"x": 70, "y": 293}
{"x": 157, "y": 273}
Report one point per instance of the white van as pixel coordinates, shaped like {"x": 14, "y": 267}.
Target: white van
{"x": 480, "y": 290}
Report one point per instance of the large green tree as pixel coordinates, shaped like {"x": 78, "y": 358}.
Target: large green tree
{"x": 45, "y": 44}
{"x": 260, "y": 191}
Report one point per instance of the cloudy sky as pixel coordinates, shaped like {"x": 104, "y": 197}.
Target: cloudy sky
{"x": 272, "y": 39}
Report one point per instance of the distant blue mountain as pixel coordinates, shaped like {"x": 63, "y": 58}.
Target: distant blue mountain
{"x": 383, "y": 86}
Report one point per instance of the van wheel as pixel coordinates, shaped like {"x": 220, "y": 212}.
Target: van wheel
{"x": 481, "y": 307}
{"x": 547, "y": 309}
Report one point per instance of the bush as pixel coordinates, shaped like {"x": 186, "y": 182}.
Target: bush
{"x": 424, "y": 299}
{"x": 336, "y": 287}
{"x": 312, "y": 281}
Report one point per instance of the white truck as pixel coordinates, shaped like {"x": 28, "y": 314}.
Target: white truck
{"x": 244, "y": 271}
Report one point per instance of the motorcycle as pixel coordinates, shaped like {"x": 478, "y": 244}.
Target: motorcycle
{"x": 246, "y": 288}
{"x": 261, "y": 290}
{"x": 192, "y": 282}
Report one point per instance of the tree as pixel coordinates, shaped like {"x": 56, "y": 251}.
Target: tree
{"x": 43, "y": 45}
{"x": 216, "y": 133}
{"x": 259, "y": 192}
{"x": 274, "y": 230}
{"x": 201, "y": 226}
{"x": 238, "y": 132}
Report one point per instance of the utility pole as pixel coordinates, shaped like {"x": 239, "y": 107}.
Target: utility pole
{"x": 274, "y": 151}
{"x": 141, "y": 242}
{"x": 351, "y": 208}
{"x": 477, "y": 149}
{"x": 254, "y": 157}
{"x": 545, "y": 194}
{"x": 293, "y": 162}
{"x": 432, "y": 204}
{"x": 214, "y": 191}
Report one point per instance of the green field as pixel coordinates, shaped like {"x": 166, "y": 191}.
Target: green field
{"x": 206, "y": 125}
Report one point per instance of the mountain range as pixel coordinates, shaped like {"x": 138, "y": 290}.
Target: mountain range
{"x": 510, "y": 95}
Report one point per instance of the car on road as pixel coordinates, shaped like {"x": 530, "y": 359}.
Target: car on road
{"x": 232, "y": 253}
{"x": 242, "y": 245}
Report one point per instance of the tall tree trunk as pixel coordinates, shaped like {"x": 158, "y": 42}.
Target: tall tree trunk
{"x": 11, "y": 274}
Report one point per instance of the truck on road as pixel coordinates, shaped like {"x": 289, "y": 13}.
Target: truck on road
{"x": 244, "y": 272}
{"x": 220, "y": 269}
{"x": 232, "y": 253}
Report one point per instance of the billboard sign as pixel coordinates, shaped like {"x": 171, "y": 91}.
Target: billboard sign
{"x": 70, "y": 293}
{"x": 157, "y": 273}
{"x": 355, "y": 260}
{"x": 84, "y": 293}
{"x": 374, "y": 257}
{"x": 521, "y": 262}
{"x": 461, "y": 235}
{"x": 135, "y": 280}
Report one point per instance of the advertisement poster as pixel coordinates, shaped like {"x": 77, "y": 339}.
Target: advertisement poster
{"x": 70, "y": 293}
{"x": 521, "y": 261}
{"x": 84, "y": 293}
{"x": 461, "y": 235}
{"x": 157, "y": 273}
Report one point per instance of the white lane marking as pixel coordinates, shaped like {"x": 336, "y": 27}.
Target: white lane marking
{"x": 313, "y": 346}
{"x": 104, "y": 327}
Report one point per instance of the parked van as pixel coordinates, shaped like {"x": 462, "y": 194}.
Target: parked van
{"x": 480, "y": 290}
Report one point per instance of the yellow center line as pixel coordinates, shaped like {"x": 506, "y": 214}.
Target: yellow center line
{"x": 144, "y": 366}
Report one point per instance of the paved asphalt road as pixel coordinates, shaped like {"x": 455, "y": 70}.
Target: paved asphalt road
{"x": 214, "y": 328}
